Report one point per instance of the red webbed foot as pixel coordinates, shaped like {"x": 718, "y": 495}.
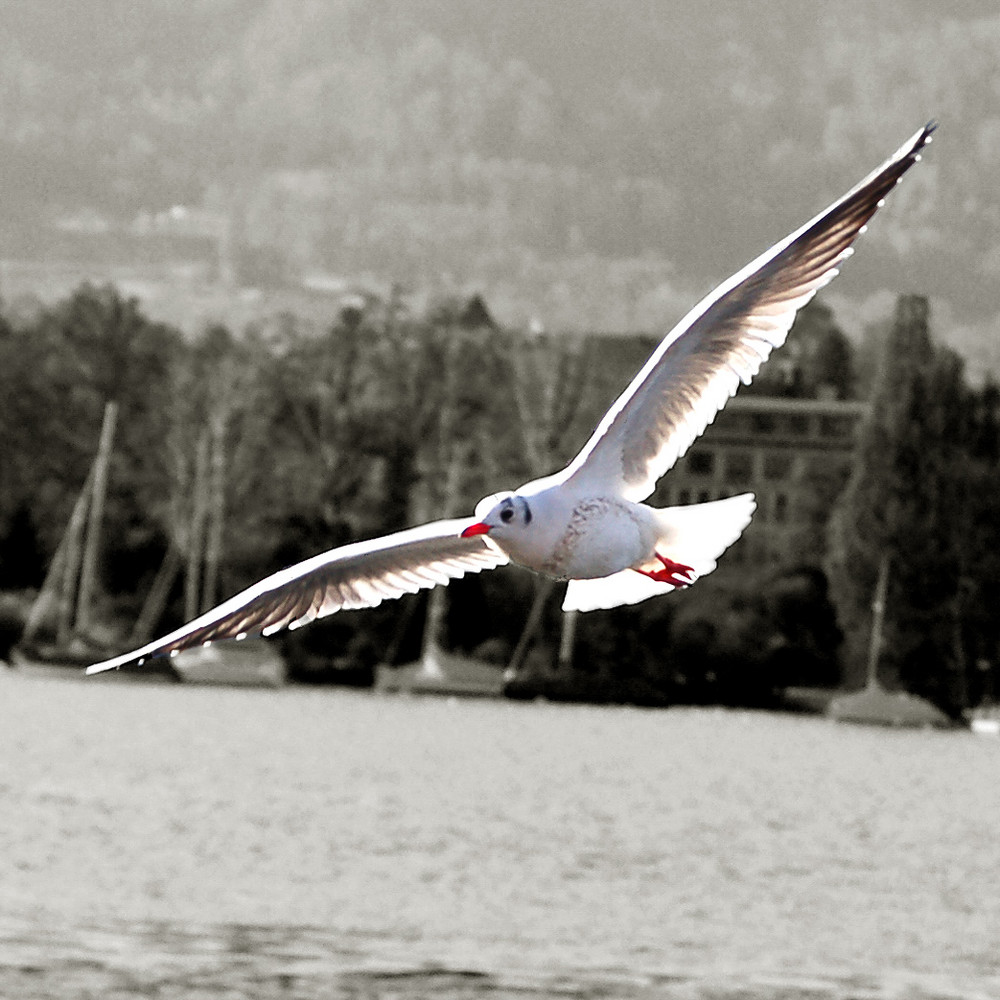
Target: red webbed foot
{"x": 674, "y": 573}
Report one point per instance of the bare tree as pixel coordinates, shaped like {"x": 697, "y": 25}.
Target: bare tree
{"x": 550, "y": 375}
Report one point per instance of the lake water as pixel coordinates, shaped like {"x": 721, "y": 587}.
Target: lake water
{"x": 173, "y": 841}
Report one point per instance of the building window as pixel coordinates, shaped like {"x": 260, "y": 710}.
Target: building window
{"x": 701, "y": 463}
{"x": 763, "y": 423}
{"x": 839, "y": 428}
{"x": 798, "y": 424}
{"x": 739, "y": 467}
{"x": 735, "y": 421}
{"x": 780, "y": 508}
{"x": 777, "y": 465}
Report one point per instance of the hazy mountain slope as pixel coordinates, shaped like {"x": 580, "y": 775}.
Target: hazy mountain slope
{"x": 594, "y": 163}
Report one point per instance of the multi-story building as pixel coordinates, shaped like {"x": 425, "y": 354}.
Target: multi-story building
{"x": 794, "y": 454}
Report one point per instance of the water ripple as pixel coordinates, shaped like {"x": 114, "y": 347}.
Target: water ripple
{"x": 176, "y": 842}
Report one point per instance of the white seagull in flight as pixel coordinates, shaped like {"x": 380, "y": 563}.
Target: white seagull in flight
{"x": 587, "y": 524}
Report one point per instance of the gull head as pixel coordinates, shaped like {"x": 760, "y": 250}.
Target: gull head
{"x": 502, "y": 515}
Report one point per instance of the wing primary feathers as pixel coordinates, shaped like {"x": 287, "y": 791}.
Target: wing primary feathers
{"x": 724, "y": 340}
{"x": 354, "y": 576}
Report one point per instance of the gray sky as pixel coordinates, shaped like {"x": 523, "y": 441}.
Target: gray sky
{"x": 728, "y": 124}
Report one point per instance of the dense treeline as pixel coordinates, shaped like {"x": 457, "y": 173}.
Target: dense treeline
{"x": 924, "y": 496}
{"x": 389, "y": 418}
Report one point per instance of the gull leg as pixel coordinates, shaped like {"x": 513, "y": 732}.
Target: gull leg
{"x": 674, "y": 573}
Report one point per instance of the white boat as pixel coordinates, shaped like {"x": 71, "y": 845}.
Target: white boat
{"x": 985, "y": 722}
{"x": 247, "y": 663}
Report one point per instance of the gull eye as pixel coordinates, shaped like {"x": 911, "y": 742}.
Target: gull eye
{"x": 507, "y": 514}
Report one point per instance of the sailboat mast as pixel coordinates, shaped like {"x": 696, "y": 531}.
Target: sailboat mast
{"x": 92, "y": 539}
{"x": 878, "y": 619}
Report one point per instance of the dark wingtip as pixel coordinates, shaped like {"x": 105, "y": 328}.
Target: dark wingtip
{"x": 910, "y": 153}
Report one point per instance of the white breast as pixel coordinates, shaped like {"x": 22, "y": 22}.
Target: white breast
{"x": 603, "y": 536}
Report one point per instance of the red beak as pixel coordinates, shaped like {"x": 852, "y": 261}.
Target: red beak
{"x": 475, "y": 529}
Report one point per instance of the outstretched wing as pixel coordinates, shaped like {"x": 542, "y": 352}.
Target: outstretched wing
{"x": 354, "y": 576}
{"x": 724, "y": 340}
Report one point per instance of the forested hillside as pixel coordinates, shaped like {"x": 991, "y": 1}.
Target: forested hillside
{"x": 595, "y": 165}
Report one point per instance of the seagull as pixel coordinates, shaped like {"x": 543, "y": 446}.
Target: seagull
{"x": 587, "y": 524}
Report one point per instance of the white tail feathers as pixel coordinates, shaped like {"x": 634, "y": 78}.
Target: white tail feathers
{"x": 694, "y": 535}
{"x": 626, "y": 587}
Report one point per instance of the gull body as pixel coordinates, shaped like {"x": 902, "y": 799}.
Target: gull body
{"x": 588, "y": 523}
{"x": 611, "y": 549}
{"x": 568, "y": 535}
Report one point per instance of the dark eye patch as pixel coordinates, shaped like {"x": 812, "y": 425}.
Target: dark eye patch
{"x": 506, "y": 514}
